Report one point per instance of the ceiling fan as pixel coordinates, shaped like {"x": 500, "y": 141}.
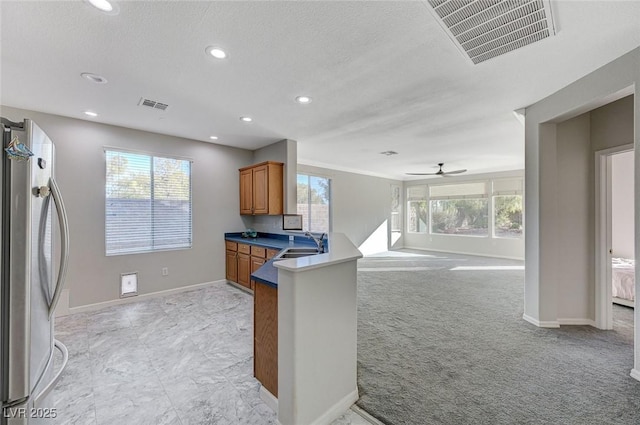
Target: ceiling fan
{"x": 440, "y": 172}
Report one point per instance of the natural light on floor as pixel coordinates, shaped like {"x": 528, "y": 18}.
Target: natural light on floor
{"x": 479, "y": 268}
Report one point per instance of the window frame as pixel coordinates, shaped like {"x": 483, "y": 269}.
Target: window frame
{"x": 490, "y": 194}
{"x": 409, "y": 200}
{"x": 329, "y": 199}
{"x": 152, "y": 156}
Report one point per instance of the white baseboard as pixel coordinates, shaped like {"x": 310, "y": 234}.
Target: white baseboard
{"x": 268, "y": 398}
{"x": 577, "y": 322}
{"x": 417, "y": 248}
{"x": 120, "y": 301}
{"x": 338, "y": 409}
{"x": 622, "y": 301}
{"x": 367, "y": 417}
{"x": 635, "y": 374}
{"x": 62, "y": 309}
{"x": 541, "y": 324}
{"x": 240, "y": 287}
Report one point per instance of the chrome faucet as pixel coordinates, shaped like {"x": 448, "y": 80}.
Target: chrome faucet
{"x": 319, "y": 241}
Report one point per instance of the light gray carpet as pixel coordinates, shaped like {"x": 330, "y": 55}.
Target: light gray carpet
{"x": 444, "y": 346}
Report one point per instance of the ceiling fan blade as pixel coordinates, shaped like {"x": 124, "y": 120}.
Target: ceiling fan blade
{"x": 422, "y": 174}
{"x": 455, "y": 172}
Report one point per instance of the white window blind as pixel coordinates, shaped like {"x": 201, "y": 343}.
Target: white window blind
{"x": 148, "y": 203}
{"x": 416, "y": 193}
{"x": 507, "y": 186}
{"x": 459, "y": 191}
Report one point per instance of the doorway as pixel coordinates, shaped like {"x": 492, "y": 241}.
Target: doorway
{"x": 615, "y": 235}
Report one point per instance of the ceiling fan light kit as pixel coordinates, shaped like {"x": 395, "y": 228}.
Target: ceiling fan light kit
{"x": 440, "y": 172}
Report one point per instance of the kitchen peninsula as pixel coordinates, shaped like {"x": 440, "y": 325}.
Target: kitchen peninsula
{"x": 311, "y": 301}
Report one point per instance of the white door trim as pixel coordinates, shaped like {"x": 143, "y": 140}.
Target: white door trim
{"x": 603, "y": 298}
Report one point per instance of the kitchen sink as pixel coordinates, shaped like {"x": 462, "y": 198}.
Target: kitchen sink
{"x": 296, "y": 253}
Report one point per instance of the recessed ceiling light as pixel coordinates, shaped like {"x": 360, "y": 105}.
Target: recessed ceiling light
{"x": 91, "y": 114}
{"x": 216, "y": 52}
{"x": 303, "y": 99}
{"x": 104, "y": 6}
{"x": 94, "y": 78}
{"x": 246, "y": 119}
{"x": 213, "y": 137}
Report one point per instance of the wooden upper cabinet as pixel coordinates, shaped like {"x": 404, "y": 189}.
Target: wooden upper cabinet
{"x": 246, "y": 192}
{"x": 261, "y": 189}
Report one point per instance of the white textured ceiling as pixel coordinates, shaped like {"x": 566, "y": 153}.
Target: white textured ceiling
{"x": 383, "y": 75}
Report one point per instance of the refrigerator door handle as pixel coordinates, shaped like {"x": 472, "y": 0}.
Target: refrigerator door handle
{"x": 64, "y": 244}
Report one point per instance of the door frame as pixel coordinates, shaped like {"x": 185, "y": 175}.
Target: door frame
{"x": 603, "y": 244}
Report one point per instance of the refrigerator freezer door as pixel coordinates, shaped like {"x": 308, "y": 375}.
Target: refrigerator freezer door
{"x": 28, "y": 258}
{"x": 16, "y": 338}
{"x": 41, "y": 253}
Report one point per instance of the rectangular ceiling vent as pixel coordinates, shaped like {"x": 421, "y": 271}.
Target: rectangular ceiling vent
{"x": 484, "y": 29}
{"x": 152, "y": 104}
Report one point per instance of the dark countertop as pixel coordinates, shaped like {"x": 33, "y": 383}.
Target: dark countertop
{"x": 268, "y": 274}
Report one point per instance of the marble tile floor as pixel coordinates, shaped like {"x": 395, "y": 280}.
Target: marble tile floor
{"x": 183, "y": 359}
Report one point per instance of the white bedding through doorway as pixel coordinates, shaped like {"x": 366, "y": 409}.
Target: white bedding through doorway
{"x": 623, "y": 280}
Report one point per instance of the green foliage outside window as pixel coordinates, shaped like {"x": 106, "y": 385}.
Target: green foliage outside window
{"x": 508, "y": 216}
{"x": 460, "y": 217}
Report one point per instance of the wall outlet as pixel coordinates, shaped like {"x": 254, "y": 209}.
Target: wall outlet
{"x": 291, "y": 237}
{"x": 165, "y": 271}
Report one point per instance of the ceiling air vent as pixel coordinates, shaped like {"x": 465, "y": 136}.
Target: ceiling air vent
{"x": 484, "y": 29}
{"x": 152, "y": 104}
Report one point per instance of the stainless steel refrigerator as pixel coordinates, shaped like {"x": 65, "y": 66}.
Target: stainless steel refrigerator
{"x": 30, "y": 206}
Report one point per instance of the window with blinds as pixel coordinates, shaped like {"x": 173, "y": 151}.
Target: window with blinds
{"x": 417, "y": 211}
{"x": 459, "y": 209}
{"x": 396, "y": 209}
{"x": 314, "y": 202}
{"x": 148, "y": 203}
{"x": 507, "y": 208}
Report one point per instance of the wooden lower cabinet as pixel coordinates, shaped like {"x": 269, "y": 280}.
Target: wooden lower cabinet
{"x": 256, "y": 263}
{"x": 243, "y": 259}
{"x": 238, "y": 263}
{"x": 265, "y": 336}
{"x": 232, "y": 266}
{"x": 244, "y": 270}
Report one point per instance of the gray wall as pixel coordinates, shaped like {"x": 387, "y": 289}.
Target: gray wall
{"x": 284, "y": 151}
{"x": 360, "y": 207}
{"x": 80, "y": 170}
{"x": 576, "y": 212}
{"x": 573, "y": 210}
{"x": 551, "y": 176}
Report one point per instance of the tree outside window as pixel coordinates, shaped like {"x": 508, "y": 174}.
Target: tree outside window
{"x": 469, "y": 217}
{"x": 314, "y": 202}
{"x": 508, "y": 216}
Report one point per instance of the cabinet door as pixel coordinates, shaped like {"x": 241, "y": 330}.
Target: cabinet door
{"x": 271, "y": 253}
{"x": 261, "y": 190}
{"x": 256, "y": 263}
{"x": 265, "y": 331}
{"x": 244, "y": 270}
{"x": 246, "y": 191}
{"x": 232, "y": 266}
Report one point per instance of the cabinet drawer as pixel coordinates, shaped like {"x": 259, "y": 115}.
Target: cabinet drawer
{"x": 244, "y": 248}
{"x": 258, "y": 251}
{"x": 231, "y": 246}
{"x": 271, "y": 253}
